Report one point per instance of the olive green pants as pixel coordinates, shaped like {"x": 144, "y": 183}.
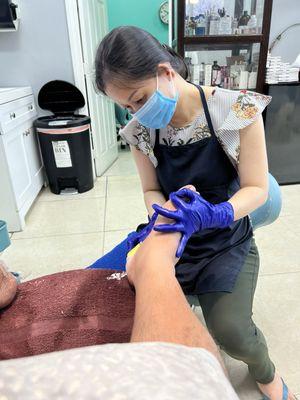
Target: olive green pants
{"x": 228, "y": 317}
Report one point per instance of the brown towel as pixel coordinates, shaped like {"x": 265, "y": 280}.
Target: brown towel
{"x": 67, "y": 310}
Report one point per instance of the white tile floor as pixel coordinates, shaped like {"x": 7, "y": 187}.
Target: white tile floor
{"x": 71, "y": 232}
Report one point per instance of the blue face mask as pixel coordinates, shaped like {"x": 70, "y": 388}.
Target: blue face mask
{"x": 158, "y": 111}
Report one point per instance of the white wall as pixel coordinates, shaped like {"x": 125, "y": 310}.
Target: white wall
{"x": 285, "y": 13}
{"x": 39, "y": 51}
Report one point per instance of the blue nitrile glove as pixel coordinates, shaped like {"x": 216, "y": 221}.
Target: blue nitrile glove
{"x": 141, "y": 236}
{"x": 193, "y": 215}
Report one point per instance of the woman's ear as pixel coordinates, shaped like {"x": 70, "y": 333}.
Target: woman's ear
{"x": 166, "y": 70}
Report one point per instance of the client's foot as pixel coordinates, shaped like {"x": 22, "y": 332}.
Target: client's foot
{"x": 274, "y": 389}
{"x": 8, "y": 286}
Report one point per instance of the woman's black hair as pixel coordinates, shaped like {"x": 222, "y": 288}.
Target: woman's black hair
{"x": 129, "y": 54}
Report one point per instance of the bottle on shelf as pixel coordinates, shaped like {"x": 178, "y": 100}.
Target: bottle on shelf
{"x": 234, "y": 26}
{"x": 224, "y": 77}
{"x": 243, "y": 22}
{"x": 207, "y": 74}
{"x": 207, "y": 17}
{"x": 252, "y": 78}
{"x": 189, "y": 67}
{"x": 196, "y": 74}
{"x": 226, "y": 83}
{"x": 201, "y": 74}
{"x": 239, "y": 75}
{"x": 195, "y": 69}
{"x": 201, "y": 25}
{"x": 214, "y": 23}
{"x": 187, "y": 21}
{"x": 193, "y": 26}
{"x": 216, "y": 74}
{"x": 234, "y": 76}
{"x": 243, "y": 79}
{"x": 222, "y": 12}
{"x": 190, "y": 26}
{"x": 225, "y": 25}
{"x": 244, "y": 19}
{"x": 252, "y": 24}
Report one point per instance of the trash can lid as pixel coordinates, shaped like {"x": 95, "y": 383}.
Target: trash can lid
{"x": 62, "y": 122}
{"x": 60, "y": 97}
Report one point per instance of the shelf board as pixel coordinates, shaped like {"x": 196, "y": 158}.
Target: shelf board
{"x": 217, "y": 39}
{"x": 295, "y": 83}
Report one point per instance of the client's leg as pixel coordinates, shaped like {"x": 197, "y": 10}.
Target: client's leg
{"x": 8, "y": 286}
{"x": 162, "y": 312}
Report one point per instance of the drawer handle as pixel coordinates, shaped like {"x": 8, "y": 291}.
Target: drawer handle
{"x": 27, "y": 132}
{"x": 12, "y": 115}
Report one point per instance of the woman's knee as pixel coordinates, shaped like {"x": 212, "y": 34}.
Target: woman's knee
{"x": 231, "y": 335}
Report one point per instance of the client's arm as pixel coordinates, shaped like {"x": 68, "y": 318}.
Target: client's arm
{"x": 162, "y": 312}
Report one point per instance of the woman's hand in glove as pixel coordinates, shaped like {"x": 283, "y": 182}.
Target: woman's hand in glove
{"x": 140, "y": 236}
{"x": 193, "y": 214}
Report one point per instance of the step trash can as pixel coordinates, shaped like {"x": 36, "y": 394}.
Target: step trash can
{"x": 64, "y": 138}
{"x": 4, "y": 236}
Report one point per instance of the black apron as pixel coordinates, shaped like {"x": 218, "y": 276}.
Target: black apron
{"x": 214, "y": 257}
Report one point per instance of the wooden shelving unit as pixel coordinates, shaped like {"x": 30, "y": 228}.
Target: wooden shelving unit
{"x": 227, "y": 40}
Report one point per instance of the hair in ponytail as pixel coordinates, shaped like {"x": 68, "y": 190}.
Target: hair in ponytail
{"x": 178, "y": 62}
{"x": 129, "y": 54}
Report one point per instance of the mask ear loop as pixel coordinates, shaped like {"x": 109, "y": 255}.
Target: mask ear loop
{"x": 173, "y": 86}
{"x": 172, "y": 83}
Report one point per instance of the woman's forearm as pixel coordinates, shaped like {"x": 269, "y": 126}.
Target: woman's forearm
{"x": 151, "y": 197}
{"x": 247, "y": 200}
{"x": 244, "y": 201}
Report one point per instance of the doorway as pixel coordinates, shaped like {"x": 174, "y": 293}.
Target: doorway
{"x": 87, "y": 25}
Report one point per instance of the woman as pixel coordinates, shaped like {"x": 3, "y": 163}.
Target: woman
{"x": 213, "y": 139}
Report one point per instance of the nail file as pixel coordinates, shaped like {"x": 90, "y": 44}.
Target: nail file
{"x": 133, "y": 251}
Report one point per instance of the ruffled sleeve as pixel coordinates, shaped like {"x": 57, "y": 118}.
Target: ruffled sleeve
{"x": 245, "y": 108}
{"x": 141, "y": 137}
{"x": 236, "y": 110}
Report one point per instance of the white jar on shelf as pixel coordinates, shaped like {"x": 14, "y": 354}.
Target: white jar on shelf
{"x": 252, "y": 24}
{"x": 252, "y": 80}
{"x": 225, "y": 25}
{"x": 207, "y": 74}
{"x": 214, "y": 24}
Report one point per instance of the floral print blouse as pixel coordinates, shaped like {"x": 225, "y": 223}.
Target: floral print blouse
{"x": 230, "y": 111}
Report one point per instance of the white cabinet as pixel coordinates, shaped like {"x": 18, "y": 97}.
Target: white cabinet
{"x": 21, "y": 169}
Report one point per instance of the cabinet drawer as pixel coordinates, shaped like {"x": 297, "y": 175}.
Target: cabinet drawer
{"x": 16, "y": 112}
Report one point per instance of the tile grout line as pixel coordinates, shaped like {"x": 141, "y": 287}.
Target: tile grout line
{"x": 86, "y": 198}
{"x": 58, "y": 235}
{"x": 75, "y": 233}
{"x": 85, "y": 195}
{"x": 279, "y": 273}
{"x": 103, "y": 231}
{"x": 105, "y": 209}
{"x": 73, "y": 199}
